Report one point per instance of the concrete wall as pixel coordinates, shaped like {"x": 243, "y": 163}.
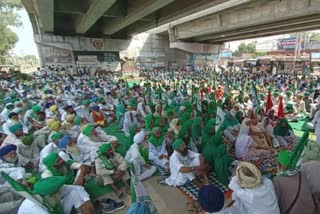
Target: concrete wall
{"x": 151, "y": 50}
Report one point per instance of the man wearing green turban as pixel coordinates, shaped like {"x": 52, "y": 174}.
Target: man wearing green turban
{"x": 291, "y": 184}
{"x": 111, "y": 168}
{"x": 28, "y": 153}
{"x": 185, "y": 165}
{"x": 14, "y": 138}
{"x": 157, "y": 148}
{"x": 56, "y": 166}
{"x": 58, "y": 198}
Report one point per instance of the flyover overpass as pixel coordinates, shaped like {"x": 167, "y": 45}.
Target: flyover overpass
{"x": 176, "y": 27}
{"x": 214, "y": 21}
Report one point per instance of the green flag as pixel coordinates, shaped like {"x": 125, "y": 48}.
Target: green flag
{"x": 296, "y": 154}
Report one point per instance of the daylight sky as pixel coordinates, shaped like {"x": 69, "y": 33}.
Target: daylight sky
{"x": 26, "y": 44}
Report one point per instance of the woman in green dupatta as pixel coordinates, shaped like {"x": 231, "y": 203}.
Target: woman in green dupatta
{"x": 239, "y": 116}
{"x": 222, "y": 164}
{"x": 186, "y": 135}
{"x": 230, "y": 127}
{"x": 197, "y": 126}
{"x": 208, "y": 131}
{"x": 157, "y": 149}
{"x": 149, "y": 122}
{"x": 209, "y": 150}
{"x": 284, "y": 133}
{"x": 185, "y": 117}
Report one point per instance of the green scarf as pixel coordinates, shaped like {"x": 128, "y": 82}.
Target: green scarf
{"x": 186, "y": 128}
{"x": 156, "y": 141}
{"x": 69, "y": 176}
{"x": 207, "y": 133}
{"x": 282, "y": 131}
{"x": 228, "y": 122}
{"x": 149, "y": 122}
{"x": 184, "y": 117}
{"x": 238, "y": 116}
{"x": 196, "y": 129}
{"x": 107, "y": 163}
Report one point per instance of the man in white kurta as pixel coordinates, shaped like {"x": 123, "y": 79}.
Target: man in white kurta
{"x": 184, "y": 164}
{"x": 141, "y": 169}
{"x": 71, "y": 196}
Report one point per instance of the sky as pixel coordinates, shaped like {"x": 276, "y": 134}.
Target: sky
{"x": 26, "y": 44}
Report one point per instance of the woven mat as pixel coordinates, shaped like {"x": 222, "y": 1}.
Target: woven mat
{"x": 191, "y": 190}
{"x": 161, "y": 170}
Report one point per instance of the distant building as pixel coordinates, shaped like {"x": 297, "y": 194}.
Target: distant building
{"x": 266, "y": 45}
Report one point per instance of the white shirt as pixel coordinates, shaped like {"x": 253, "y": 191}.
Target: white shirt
{"x": 258, "y": 200}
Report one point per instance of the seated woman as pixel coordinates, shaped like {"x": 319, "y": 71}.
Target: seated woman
{"x": 157, "y": 149}
{"x": 230, "y": 127}
{"x": 266, "y": 126}
{"x": 284, "y": 133}
{"x": 246, "y": 148}
{"x": 273, "y": 118}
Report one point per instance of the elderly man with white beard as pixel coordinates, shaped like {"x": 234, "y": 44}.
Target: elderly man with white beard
{"x": 70, "y": 150}
{"x": 9, "y": 199}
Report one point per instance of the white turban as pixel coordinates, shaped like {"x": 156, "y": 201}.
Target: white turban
{"x": 139, "y": 137}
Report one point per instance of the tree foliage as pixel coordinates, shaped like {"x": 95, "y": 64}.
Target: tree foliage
{"x": 245, "y": 48}
{"x": 8, "y": 17}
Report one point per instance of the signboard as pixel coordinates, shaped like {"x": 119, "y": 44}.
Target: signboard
{"x": 102, "y": 56}
{"x": 86, "y": 58}
{"x": 288, "y": 44}
{"x": 54, "y": 55}
{"x": 130, "y": 68}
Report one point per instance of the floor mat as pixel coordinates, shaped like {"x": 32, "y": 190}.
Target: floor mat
{"x": 191, "y": 190}
{"x": 125, "y": 142}
{"x": 95, "y": 190}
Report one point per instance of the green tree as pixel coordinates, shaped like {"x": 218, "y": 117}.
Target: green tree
{"x": 245, "y": 48}
{"x": 8, "y": 17}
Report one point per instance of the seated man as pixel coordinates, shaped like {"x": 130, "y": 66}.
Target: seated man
{"x": 111, "y": 167}
{"x": 142, "y": 169}
{"x": 17, "y": 132}
{"x": 60, "y": 198}
{"x": 10, "y": 200}
{"x": 28, "y": 153}
{"x": 253, "y": 193}
{"x": 9, "y": 163}
{"x": 292, "y": 186}
{"x": 185, "y": 165}
{"x": 56, "y": 166}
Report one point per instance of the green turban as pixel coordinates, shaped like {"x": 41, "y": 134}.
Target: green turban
{"x": 57, "y": 136}
{"x": 77, "y": 120}
{"x": 86, "y": 102}
{"x": 27, "y": 140}
{"x": 87, "y": 130}
{"x": 289, "y": 93}
{"x": 276, "y": 93}
{"x": 48, "y": 186}
{"x": 284, "y": 157}
{"x": 36, "y": 108}
{"x": 50, "y": 159}
{"x": 306, "y": 94}
{"x": 177, "y": 143}
{"x": 104, "y": 147}
{"x": 15, "y": 128}
{"x": 170, "y": 112}
{"x": 9, "y": 106}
